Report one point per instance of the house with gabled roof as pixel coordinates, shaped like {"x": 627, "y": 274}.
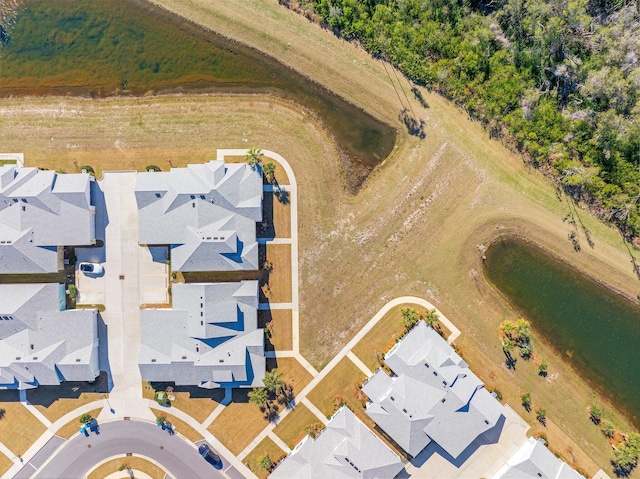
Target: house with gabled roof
{"x": 432, "y": 395}
{"x": 209, "y": 338}
{"x": 41, "y": 343}
{"x": 534, "y": 461}
{"x": 41, "y": 212}
{"x": 345, "y": 449}
{"x": 206, "y": 213}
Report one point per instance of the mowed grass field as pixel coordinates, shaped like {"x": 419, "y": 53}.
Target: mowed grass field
{"x": 414, "y": 228}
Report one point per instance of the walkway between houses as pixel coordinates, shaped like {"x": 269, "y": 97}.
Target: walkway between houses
{"x": 122, "y": 290}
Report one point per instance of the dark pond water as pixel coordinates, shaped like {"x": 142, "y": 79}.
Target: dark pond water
{"x": 599, "y": 329}
{"x": 98, "y": 48}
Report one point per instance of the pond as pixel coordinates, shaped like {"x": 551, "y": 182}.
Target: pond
{"x": 84, "y": 47}
{"x": 595, "y": 329}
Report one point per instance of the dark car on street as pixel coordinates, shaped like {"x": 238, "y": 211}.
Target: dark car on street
{"x": 210, "y": 456}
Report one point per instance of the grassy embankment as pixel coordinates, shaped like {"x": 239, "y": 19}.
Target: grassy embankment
{"x": 413, "y": 229}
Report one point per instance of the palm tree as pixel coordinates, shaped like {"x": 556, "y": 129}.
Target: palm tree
{"x": 431, "y": 317}
{"x": 273, "y": 381}
{"x": 269, "y": 170}
{"x": 253, "y": 157}
{"x": 258, "y": 396}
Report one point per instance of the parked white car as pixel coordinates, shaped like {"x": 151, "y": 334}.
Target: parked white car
{"x": 91, "y": 268}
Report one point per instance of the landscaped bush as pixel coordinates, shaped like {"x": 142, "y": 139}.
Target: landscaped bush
{"x": 153, "y": 168}
{"x": 162, "y": 398}
{"x": 88, "y": 169}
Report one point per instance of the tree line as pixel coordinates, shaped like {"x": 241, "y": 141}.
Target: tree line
{"x": 557, "y": 79}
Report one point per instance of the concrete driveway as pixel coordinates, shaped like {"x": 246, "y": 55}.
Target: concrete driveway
{"x": 91, "y": 288}
{"x": 154, "y": 275}
{"x": 79, "y": 455}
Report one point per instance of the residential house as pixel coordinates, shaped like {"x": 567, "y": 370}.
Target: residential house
{"x": 40, "y": 213}
{"x": 432, "y": 396}
{"x": 41, "y": 343}
{"x": 346, "y": 449}
{"x": 206, "y": 213}
{"x": 534, "y": 461}
{"x": 210, "y": 337}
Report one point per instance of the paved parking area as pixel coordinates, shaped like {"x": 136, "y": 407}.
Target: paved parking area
{"x": 154, "y": 275}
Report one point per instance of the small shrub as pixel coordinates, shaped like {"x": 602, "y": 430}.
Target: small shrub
{"x": 122, "y": 467}
{"x": 526, "y": 401}
{"x": 596, "y": 414}
{"x": 153, "y": 168}
{"x": 161, "y": 398}
{"x": 160, "y": 420}
{"x": 542, "y": 370}
{"x": 85, "y": 418}
{"x": 497, "y": 393}
{"x": 88, "y": 169}
{"x": 608, "y": 429}
{"x": 264, "y": 462}
{"x": 314, "y": 429}
{"x": 73, "y": 291}
{"x": 543, "y": 436}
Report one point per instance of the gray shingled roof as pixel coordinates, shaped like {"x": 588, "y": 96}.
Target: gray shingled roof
{"x": 39, "y": 212}
{"x": 432, "y": 396}
{"x": 209, "y": 338}
{"x": 534, "y": 461}
{"x": 345, "y": 449}
{"x": 42, "y": 344}
{"x": 207, "y": 214}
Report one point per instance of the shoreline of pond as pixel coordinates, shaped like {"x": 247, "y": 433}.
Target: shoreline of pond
{"x": 600, "y": 390}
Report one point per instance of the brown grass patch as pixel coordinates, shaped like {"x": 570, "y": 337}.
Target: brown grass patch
{"x": 180, "y": 426}
{"x": 278, "y": 215}
{"x": 279, "y": 290}
{"x": 341, "y": 384}
{"x": 239, "y": 423}
{"x": 19, "y": 429}
{"x": 134, "y": 462}
{"x": 280, "y": 327}
{"x": 73, "y": 426}
{"x": 197, "y": 402}
{"x": 5, "y": 463}
{"x": 381, "y": 337}
{"x": 291, "y": 428}
{"x": 293, "y": 373}
{"x": 265, "y": 446}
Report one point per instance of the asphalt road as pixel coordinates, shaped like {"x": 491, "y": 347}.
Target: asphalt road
{"x": 174, "y": 454}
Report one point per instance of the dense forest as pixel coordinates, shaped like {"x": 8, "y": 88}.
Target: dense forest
{"x": 558, "y": 79}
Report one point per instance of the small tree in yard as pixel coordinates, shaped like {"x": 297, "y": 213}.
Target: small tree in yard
{"x": 596, "y": 414}
{"x": 526, "y": 401}
{"x": 608, "y": 429}
{"x": 269, "y": 171}
{"x": 85, "y": 418}
{"x": 160, "y": 420}
{"x": 273, "y": 381}
{"x": 542, "y": 370}
{"x": 541, "y": 416}
{"x": 258, "y": 396}
{"x": 253, "y": 157}
{"x": 264, "y": 462}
